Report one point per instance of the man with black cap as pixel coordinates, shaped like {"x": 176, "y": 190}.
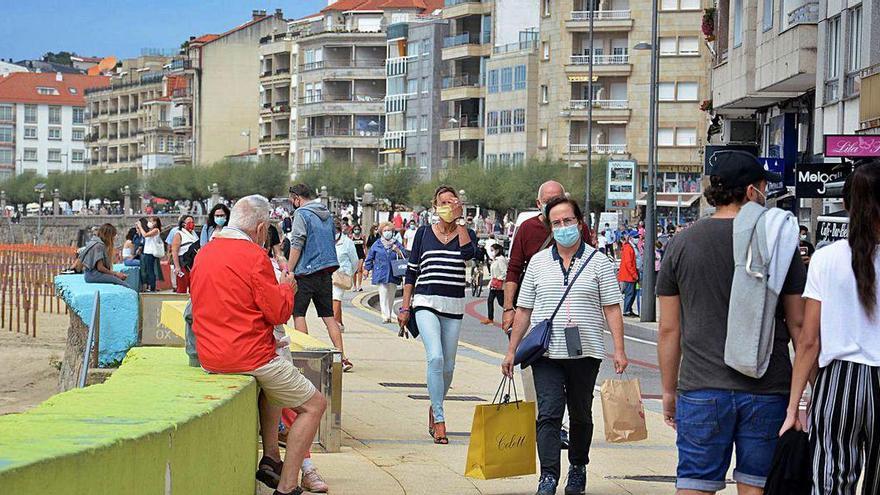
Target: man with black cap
{"x": 714, "y": 407}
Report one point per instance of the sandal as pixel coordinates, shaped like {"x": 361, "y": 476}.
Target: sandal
{"x": 440, "y": 440}
{"x": 269, "y": 472}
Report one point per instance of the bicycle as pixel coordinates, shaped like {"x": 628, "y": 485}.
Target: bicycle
{"x": 477, "y": 279}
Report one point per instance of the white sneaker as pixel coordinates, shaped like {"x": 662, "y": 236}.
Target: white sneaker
{"x": 313, "y": 482}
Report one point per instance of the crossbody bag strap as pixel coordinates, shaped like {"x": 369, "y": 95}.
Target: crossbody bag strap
{"x": 546, "y": 242}
{"x": 571, "y": 284}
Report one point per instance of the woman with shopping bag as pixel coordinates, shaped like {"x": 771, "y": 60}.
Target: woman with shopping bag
{"x": 380, "y": 260}
{"x": 567, "y": 295}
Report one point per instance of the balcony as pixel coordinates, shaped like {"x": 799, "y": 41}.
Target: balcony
{"x": 331, "y": 104}
{"x": 469, "y": 130}
{"x": 461, "y": 87}
{"x": 178, "y": 65}
{"x": 180, "y": 124}
{"x": 603, "y": 20}
{"x": 608, "y": 110}
{"x": 785, "y": 62}
{"x": 347, "y": 69}
{"x": 270, "y": 78}
{"x": 181, "y": 95}
{"x": 397, "y": 103}
{"x": 453, "y": 9}
{"x": 601, "y": 149}
{"x": 397, "y": 66}
{"x": 869, "y": 103}
{"x": 603, "y": 65}
{"x": 340, "y": 137}
{"x": 465, "y": 45}
{"x": 396, "y": 139}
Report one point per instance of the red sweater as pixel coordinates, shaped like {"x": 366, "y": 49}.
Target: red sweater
{"x": 527, "y": 241}
{"x": 236, "y": 302}
{"x": 629, "y": 272}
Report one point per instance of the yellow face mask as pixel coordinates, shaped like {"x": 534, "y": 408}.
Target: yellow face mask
{"x": 445, "y": 213}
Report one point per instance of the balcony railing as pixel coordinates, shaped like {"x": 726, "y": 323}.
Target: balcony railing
{"x": 461, "y": 39}
{"x": 179, "y": 122}
{"x": 600, "y": 15}
{"x": 350, "y": 98}
{"x": 466, "y": 121}
{"x": 266, "y": 73}
{"x": 349, "y": 64}
{"x": 464, "y": 80}
{"x": 600, "y": 59}
{"x": 396, "y": 139}
{"x": 453, "y": 3}
{"x": 603, "y": 104}
{"x": 181, "y": 93}
{"x": 397, "y": 103}
{"x": 337, "y": 132}
{"x": 604, "y": 149}
{"x": 179, "y": 64}
{"x": 397, "y": 66}
{"x": 282, "y": 70}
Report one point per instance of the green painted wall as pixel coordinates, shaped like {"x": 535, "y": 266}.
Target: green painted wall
{"x": 156, "y": 427}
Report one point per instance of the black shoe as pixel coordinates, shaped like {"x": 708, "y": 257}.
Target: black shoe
{"x": 269, "y": 472}
{"x": 546, "y": 485}
{"x": 563, "y": 437}
{"x": 296, "y": 491}
{"x": 577, "y": 480}
{"x": 630, "y": 315}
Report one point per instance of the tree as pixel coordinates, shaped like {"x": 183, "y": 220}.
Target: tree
{"x": 394, "y": 183}
{"x": 340, "y": 178}
{"x": 62, "y": 57}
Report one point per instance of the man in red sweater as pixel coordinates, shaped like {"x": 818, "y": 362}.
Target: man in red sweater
{"x": 236, "y": 302}
{"x": 628, "y": 273}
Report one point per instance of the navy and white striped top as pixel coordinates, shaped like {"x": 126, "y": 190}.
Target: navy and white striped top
{"x": 437, "y": 271}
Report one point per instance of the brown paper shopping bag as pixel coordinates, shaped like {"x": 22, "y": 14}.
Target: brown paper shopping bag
{"x": 623, "y": 411}
{"x": 502, "y": 441}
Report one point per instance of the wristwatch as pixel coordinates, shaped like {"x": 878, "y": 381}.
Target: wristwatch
{"x": 461, "y": 221}
{"x": 509, "y": 309}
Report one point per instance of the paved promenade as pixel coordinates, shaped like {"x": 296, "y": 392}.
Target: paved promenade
{"x": 386, "y": 447}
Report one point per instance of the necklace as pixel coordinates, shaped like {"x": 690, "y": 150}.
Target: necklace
{"x": 446, "y": 234}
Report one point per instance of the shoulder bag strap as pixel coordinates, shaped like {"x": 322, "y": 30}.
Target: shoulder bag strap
{"x": 571, "y": 284}
{"x": 546, "y": 242}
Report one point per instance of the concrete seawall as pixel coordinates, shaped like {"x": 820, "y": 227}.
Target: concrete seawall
{"x": 63, "y": 230}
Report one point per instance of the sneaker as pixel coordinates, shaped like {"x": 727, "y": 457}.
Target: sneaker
{"x": 296, "y": 491}
{"x": 313, "y": 482}
{"x": 346, "y": 365}
{"x": 577, "y": 480}
{"x": 486, "y": 321}
{"x": 563, "y": 437}
{"x": 546, "y": 485}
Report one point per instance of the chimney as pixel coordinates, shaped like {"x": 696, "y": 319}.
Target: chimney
{"x": 59, "y": 77}
{"x": 279, "y": 14}
{"x": 255, "y": 14}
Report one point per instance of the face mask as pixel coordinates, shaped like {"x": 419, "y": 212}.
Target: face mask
{"x": 567, "y": 236}
{"x": 543, "y": 208}
{"x": 412, "y": 227}
{"x": 220, "y": 221}
{"x": 803, "y": 237}
{"x": 150, "y": 225}
{"x": 189, "y": 226}
{"x": 763, "y": 201}
{"x": 387, "y": 235}
{"x": 445, "y": 213}
{"x": 357, "y": 232}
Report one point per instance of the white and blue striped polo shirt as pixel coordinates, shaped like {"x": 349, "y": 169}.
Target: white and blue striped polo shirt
{"x": 542, "y": 288}
{"x": 437, "y": 271}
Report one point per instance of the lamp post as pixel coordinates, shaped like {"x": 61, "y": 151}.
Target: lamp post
{"x": 375, "y": 125}
{"x": 454, "y": 121}
{"x": 589, "y": 174}
{"x": 39, "y": 188}
{"x": 247, "y": 133}
{"x": 649, "y": 301}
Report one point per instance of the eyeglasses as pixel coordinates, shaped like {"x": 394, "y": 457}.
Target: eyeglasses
{"x": 565, "y": 222}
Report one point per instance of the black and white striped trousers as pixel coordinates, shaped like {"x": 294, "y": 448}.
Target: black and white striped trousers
{"x": 845, "y": 432}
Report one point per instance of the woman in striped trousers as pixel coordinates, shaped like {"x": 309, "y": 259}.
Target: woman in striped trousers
{"x": 841, "y": 336}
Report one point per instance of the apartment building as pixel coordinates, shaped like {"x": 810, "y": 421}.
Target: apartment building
{"x": 413, "y": 113}
{"x": 278, "y": 55}
{"x": 621, "y": 86}
{"x": 133, "y": 123}
{"x": 42, "y": 122}
{"x": 220, "y": 99}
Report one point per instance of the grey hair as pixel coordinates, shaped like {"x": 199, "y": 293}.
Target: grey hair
{"x": 248, "y": 212}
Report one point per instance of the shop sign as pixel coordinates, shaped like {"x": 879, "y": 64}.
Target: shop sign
{"x": 813, "y": 177}
{"x": 621, "y": 189}
{"x": 830, "y": 229}
{"x": 850, "y": 146}
{"x": 777, "y": 166}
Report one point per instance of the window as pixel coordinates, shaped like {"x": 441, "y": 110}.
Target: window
{"x": 737, "y": 23}
{"x": 423, "y": 160}
{"x": 507, "y": 79}
{"x": 666, "y": 91}
{"x": 546, "y": 8}
{"x": 423, "y": 125}
{"x": 6, "y": 134}
{"x": 518, "y": 159}
{"x": 689, "y": 5}
{"x": 544, "y": 94}
{"x": 493, "y": 81}
{"x": 412, "y": 86}
{"x": 545, "y": 50}
{"x": 54, "y": 155}
{"x": 30, "y": 114}
{"x": 55, "y": 133}
{"x": 76, "y": 156}
{"x": 519, "y": 120}
{"x": 78, "y": 135}
{"x": 854, "y": 61}
{"x": 687, "y": 91}
{"x": 6, "y": 155}
{"x": 72, "y": 90}
{"x": 426, "y": 47}
{"x": 161, "y": 144}
{"x": 46, "y": 91}
{"x": 79, "y": 115}
{"x": 30, "y": 132}
{"x": 54, "y": 115}
{"x": 669, "y": 5}
{"x": 6, "y": 112}
{"x": 492, "y": 123}
{"x": 505, "y": 121}
{"x": 504, "y": 159}
{"x": 768, "y": 15}
{"x": 833, "y": 48}
{"x": 425, "y": 85}
{"x": 491, "y": 160}
{"x": 411, "y": 123}
{"x": 685, "y": 137}
{"x": 667, "y": 46}
{"x": 30, "y": 155}
{"x": 688, "y": 45}
{"x": 519, "y": 77}
{"x": 412, "y": 49}
{"x": 544, "y": 138}
{"x": 665, "y": 136}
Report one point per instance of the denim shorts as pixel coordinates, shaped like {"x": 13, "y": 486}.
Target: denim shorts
{"x": 710, "y": 423}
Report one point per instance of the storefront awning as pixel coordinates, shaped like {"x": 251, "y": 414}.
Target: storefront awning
{"x": 671, "y": 200}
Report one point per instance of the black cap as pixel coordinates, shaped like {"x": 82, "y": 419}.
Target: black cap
{"x": 739, "y": 168}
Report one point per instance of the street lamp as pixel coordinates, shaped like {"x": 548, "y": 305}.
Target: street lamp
{"x": 375, "y": 125}
{"x": 649, "y": 301}
{"x": 247, "y": 133}
{"x": 453, "y": 121}
{"x": 305, "y": 129}
{"x": 39, "y": 188}
{"x": 589, "y": 174}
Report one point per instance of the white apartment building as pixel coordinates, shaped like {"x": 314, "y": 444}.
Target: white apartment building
{"x": 42, "y": 122}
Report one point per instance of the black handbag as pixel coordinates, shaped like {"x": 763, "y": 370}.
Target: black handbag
{"x": 537, "y": 341}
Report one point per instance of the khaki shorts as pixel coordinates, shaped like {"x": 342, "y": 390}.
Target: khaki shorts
{"x": 283, "y": 384}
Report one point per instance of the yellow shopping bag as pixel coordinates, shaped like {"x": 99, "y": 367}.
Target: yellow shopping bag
{"x": 502, "y": 439}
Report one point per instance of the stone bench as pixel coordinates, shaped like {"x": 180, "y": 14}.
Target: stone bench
{"x": 155, "y": 426}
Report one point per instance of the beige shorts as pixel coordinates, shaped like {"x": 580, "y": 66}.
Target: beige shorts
{"x": 283, "y": 384}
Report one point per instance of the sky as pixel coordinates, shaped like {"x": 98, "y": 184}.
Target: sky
{"x": 122, "y": 28}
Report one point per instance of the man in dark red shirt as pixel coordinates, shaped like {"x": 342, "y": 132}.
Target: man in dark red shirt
{"x": 531, "y": 237}
{"x": 236, "y": 303}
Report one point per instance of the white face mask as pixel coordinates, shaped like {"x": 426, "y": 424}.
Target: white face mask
{"x": 388, "y": 235}
{"x": 150, "y": 225}
{"x": 763, "y": 201}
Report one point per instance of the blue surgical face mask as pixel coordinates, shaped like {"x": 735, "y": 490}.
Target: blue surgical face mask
{"x": 388, "y": 234}
{"x": 567, "y": 236}
{"x": 220, "y": 221}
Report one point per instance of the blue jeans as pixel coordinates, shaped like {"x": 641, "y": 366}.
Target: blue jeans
{"x": 629, "y": 296}
{"x": 440, "y": 336}
{"x": 710, "y": 423}
{"x": 150, "y": 264}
